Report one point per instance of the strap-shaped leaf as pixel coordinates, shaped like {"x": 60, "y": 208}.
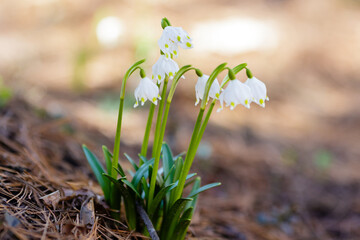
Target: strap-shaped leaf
{"x": 144, "y": 169}
{"x": 166, "y": 177}
{"x": 131, "y": 161}
{"x": 204, "y": 188}
{"x": 159, "y": 196}
{"x": 172, "y": 218}
{"x": 187, "y": 213}
{"x": 129, "y": 201}
{"x": 129, "y": 184}
{"x": 179, "y": 163}
{"x": 98, "y": 171}
{"x": 181, "y": 229}
{"x": 108, "y": 158}
{"x": 168, "y": 163}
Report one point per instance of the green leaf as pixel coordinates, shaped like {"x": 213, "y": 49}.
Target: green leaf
{"x": 179, "y": 163}
{"x": 141, "y": 172}
{"x": 181, "y": 229}
{"x": 168, "y": 163}
{"x": 172, "y": 170}
{"x": 143, "y": 158}
{"x": 131, "y": 161}
{"x": 204, "y": 188}
{"x": 179, "y": 155}
{"x": 194, "y": 189}
{"x": 98, "y": 171}
{"x": 129, "y": 184}
{"x": 121, "y": 173}
{"x": 172, "y": 218}
{"x": 187, "y": 213}
{"x": 108, "y": 158}
{"x": 129, "y": 201}
{"x": 145, "y": 187}
{"x": 161, "y": 194}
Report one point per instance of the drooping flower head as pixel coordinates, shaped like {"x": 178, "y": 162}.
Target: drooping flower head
{"x": 146, "y": 90}
{"x": 258, "y": 90}
{"x": 171, "y": 38}
{"x": 164, "y": 66}
{"x": 236, "y": 93}
{"x": 200, "y": 89}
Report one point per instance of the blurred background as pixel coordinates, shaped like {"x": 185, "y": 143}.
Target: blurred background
{"x": 289, "y": 171}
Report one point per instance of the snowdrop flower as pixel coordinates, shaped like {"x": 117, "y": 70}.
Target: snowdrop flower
{"x": 171, "y": 38}
{"x": 146, "y": 90}
{"x": 164, "y": 66}
{"x": 258, "y": 90}
{"x": 200, "y": 89}
{"x": 235, "y": 93}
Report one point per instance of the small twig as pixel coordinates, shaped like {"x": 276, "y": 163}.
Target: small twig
{"x": 147, "y": 221}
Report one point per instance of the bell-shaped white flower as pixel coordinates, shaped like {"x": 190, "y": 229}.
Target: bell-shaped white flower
{"x": 171, "y": 38}
{"x": 200, "y": 89}
{"x": 164, "y": 66}
{"x": 258, "y": 90}
{"x": 146, "y": 90}
{"x": 236, "y": 93}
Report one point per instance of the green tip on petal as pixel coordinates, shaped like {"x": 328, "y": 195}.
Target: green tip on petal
{"x": 246, "y": 102}
{"x": 188, "y": 44}
{"x": 178, "y": 38}
{"x": 166, "y": 45}
{"x": 261, "y": 101}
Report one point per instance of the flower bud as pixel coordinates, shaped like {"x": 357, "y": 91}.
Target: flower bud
{"x": 142, "y": 73}
{"x": 231, "y": 74}
{"x": 249, "y": 73}
{"x": 165, "y": 22}
{"x": 198, "y": 72}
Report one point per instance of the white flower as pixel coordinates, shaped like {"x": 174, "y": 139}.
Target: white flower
{"x": 235, "y": 93}
{"x": 200, "y": 89}
{"x": 258, "y": 90}
{"x": 146, "y": 90}
{"x": 164, "y": 66}
{"x": 171, "y": 38}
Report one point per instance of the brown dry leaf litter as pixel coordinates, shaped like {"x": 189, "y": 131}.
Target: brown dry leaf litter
{"x": 44, "y": 187}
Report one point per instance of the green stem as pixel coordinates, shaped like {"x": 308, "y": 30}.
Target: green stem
{"x": 204, "y": 124}
{"x": 157, "y": 154}
{"x": 159, "y": 136}
{"x": 115, "y": 160}
{"x": 188, "y": 161}
{"x": 147, "y": 133}
{"x": 159, "y": 117}
{"x": 117, "y": 139}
